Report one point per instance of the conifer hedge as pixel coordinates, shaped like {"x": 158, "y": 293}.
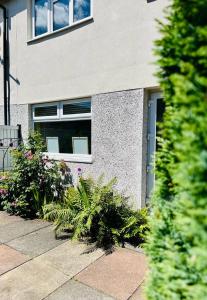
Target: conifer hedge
{"x": 177, "y": 246}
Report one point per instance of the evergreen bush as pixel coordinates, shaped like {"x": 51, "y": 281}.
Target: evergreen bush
{"x": 177, "y": 246}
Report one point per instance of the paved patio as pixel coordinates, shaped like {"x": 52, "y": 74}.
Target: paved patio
{"x": 34, "y": 265}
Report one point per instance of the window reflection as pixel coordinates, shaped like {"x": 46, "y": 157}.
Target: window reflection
{"x": 41, "y": 21}
{"x": 51, "y": 15}
{"x": 82, "y": 9}
{"x": 72, "y": 137}
{"x": 60, "y": 14}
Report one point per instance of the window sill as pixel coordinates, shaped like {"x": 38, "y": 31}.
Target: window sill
{"x": 48, "y": 34}
{"x": 79, "y": 158}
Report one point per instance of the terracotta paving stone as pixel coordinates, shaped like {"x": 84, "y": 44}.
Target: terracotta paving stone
{"x": 10, "y": 258}
{"x": 118, "y": 274}
{"x": 138, "y": 294}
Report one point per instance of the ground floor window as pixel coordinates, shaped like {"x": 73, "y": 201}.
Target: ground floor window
{"x": 65, "y": 126}
{"x": 73, "y": 137}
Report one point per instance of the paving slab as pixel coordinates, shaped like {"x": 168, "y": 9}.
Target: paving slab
{"x": 70, "y": 257}
{"x": 10, "y": 258}
{"x": 14, "y": 230}
{"x": 30, "y": 281}
{"x": 74, "y": 290}
{"x": 36, "y": 243}
{"x": 7, "y": 219}
{"x": 118, "y": 274}
{"x": 138, "y": 294}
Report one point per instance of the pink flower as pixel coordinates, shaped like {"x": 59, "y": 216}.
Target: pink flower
{"x": 29, "y": 155}
{"x": 3, "y": 192}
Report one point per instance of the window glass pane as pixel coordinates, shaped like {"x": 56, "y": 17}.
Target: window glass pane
{"x": 60, "y": 14}
{"x": 41, "y": 17}
{"x": 77, "y": 108}
{"x": 46, "y": 111}
{"x": 82, "y": 9}
{"x": 73, "y": 137}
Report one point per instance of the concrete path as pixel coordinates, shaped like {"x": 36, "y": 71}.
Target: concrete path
{"x": 34, "y": 266}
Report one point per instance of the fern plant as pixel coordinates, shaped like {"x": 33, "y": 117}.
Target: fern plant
{"x": 96, "y": 211}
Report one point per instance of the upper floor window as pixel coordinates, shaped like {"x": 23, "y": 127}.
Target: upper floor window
{"x": 52, "y": 15}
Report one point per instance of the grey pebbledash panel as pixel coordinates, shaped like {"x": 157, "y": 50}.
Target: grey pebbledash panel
{"x": 20, "y": 114}
{"x": 1, "y": 115}
{"x": 117, "y": 140}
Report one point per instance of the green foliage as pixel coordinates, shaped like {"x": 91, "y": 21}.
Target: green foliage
{"x": 178, "y": 239}
{"x": 96, "y": 211}
{"x": 4, "y": 181}
{"x": 33, "y": 180}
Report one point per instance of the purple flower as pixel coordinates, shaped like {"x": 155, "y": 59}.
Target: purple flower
{"x": 80, "y": 171}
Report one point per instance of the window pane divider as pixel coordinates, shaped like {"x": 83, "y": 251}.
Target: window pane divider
{"x": 71, "y": 17}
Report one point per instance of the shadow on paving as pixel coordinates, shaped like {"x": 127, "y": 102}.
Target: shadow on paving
{"x": 35, "y": 265}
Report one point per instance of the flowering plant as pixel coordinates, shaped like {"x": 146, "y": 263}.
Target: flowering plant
{"x": 4, "y": 181}
{"x": 35, "y": 179}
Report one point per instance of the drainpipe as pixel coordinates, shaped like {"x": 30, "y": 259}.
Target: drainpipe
{"x": 5, "y": 61}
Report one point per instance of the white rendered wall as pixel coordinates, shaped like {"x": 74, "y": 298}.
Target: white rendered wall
{"x": 112, "y": 53}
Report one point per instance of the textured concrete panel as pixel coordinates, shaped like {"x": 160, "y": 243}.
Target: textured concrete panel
{"x": 118, "y": 274}
{"x": 11, "y": 231}
{"x": 10, "y": 258}
{"x": 117, "y": 139}
{"x": 20, "y": 114}
{"x": 37, "y": 242}
{"x": 30, "y": 281}
{"x": 70, "y": 258}
{"x": 1, "y": 115}
{"x": 75, "y": 290}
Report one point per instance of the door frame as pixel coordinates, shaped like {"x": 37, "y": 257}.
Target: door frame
{"x": 151, "y": 142}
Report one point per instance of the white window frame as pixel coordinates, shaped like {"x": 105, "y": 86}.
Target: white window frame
{"x": 84, "y": 158}
{"x": 57, "y": 117}
{"x": 84, "y": 116}
{"x": 71, "y": 21}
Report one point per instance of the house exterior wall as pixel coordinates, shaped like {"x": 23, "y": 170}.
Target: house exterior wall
{"x": 109, "y": 59}
{"x": 111, "y": 53}
{"x": 118, "y": 135}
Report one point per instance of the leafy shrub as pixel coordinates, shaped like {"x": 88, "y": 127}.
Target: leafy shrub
{"x": 178, "y": 239}
{"x": 99, "y": 213}
{"x": 4, "y": 180}
{"x": 34, "y": 179}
